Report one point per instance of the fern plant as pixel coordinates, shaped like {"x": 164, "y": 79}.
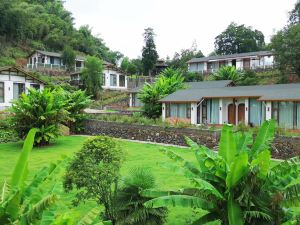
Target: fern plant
{"x": 131, "y": 209}
{"x": 237, "y": 185}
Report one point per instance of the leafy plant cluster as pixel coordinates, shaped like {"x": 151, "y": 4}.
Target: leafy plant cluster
{"x": 47, "y": 110}
{"x": 238, "y": 185}
{"x": 7, "y": 134}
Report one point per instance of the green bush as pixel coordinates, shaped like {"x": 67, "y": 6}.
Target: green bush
{"x": 44, "y": 110}
{"x": 94, "y": 172}
{"x": 228, "y": 73}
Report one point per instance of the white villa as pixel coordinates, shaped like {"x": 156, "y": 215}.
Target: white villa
{"x": 51, "y": 60}
{"x": 242, "y": 61}
{"x": 15, "y": 81}
{"x": 113, "y": 78}
{"x": 212, "y": 105}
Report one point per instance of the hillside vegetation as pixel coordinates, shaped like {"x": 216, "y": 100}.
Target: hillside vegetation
{"x": 27, "y": 25}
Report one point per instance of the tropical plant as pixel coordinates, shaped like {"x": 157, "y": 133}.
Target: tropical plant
{"x": 44, "y": 110}
{"x": 131, "y": 209}
{"x": 152, "y": 93}
{"x": 237, "y": 185}
{"x": 94, "y": 172}
{"x": 76, "y": 102}
{"x": 24, "y": 204}
{"x": 68, "y": 58}
{"x": 228, "y": 73}
{"x": 91, "y": 76}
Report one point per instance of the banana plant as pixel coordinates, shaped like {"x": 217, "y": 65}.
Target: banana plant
{"x": 236, "y": 185}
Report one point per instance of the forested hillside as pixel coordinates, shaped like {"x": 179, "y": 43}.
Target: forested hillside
{"x": 26, "y": 25}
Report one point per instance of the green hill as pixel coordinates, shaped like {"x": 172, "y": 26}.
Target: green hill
{"x": 46, "y": 25}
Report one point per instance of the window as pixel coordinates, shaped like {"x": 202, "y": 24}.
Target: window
{"x": 1, "y": 92}
{"x": 19, "y": 88}
{"x": 286, "y": 114}
{"x": 103, "y": 80}
{"x": 204, "y": 111}
{"x": 214, "y": 118}
{"x": 113, "y": 80}
{"x": 35, "y": 86}
{"x": 168, "y": 110}
{"x": 178, "y": 110}
{"x": 257, "y": 112}
{"x": 122, "y": 81}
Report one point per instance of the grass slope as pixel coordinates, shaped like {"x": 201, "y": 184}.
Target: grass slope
{"x": 136, "y": 154}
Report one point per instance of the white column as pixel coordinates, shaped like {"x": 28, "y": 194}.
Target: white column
{"x": 163, "y": 116}
{"x": 130, "y": 100}
{"x": 268, "y": 110}
{"x": 205, "y": 66}
{"x": 27, "y": 86}
{"x": 246, "y": 111}
{"x": 118, "y": 80}
{"x": 194, "y": 113}
{"x": 8, "y": 92}
{"x": 126, "y": 81}
{"x": 221, "y": 111}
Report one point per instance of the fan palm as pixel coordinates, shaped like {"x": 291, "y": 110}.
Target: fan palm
{"x": 131, "y": 210}
{"x": 228, "y": 73}
{"x": 237, "y": 185}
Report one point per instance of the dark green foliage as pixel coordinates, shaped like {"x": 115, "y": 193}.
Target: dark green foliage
{"x": 249, "y": 78}
{"x": 7, "y": 134}
{"x": 193, "y": 77}
{"x": 128, "y": 66}
{"x": 44, "y": 110}
{"x": 94, "y": 172}
{"x": 286, "y": 46}
{"x": 68, "y": 57}
{"x": 295, "y": 14}
{"x": 131, "y": 209}
{"x": 92, "y": 76}
{"x": 168, "y": 82}
{"x": 149, "y": 53}
{"x": 237, "y": 185}
{"x": 239, "y": 39}
{"x": 179, "y": 60}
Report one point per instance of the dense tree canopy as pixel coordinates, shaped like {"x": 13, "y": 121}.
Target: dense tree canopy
{"x": 149, "y": 53}
{"x": 239, "y": 39}
{"x": 46, "y": 24}
{"x": 286, "y": 44}
{"x": 128, "y": 66}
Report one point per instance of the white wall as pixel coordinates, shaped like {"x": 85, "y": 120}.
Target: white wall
{"x": 9, "y": 84}
{"x": 194, "y": 113}
{"x": 109, "y": 86}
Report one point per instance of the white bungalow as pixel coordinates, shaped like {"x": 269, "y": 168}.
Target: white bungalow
{"x": 242, "y": 61}
{"x": 51, "y": 60}
{"x": 13, "y": 82}
{"x": 243, "y": 104}
{"x": 112, "y": 79}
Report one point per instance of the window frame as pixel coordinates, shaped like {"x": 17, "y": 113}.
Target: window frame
{"x": 2, "y": 88}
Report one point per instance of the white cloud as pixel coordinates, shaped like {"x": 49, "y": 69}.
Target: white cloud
{"x": 177, "y": 23}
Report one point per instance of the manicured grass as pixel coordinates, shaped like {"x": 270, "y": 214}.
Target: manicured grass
{"x": 136, "y": 154}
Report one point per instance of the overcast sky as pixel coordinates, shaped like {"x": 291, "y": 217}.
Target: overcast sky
{"x": 177, "y": 23}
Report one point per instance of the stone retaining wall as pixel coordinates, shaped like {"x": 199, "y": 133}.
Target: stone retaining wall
{"x": 282, "y": 147}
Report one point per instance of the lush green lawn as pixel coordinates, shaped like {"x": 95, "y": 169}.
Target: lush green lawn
{"x": 136, "y": 154}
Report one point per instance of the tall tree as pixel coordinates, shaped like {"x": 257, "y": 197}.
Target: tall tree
{"x": 239, "y": 39}
{"x": 128, "y": 67}
{"x": 68, "y": 57}
{"x": 92, "y": 76}
{"x": 149, "y": 53}
{"x": 295, "y": 14}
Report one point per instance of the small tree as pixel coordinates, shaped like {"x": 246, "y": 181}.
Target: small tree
{"x": 92, "y": 76}
{"x": 44, "y": 110}
{"x": 149, "y": 52}
{"x": 168, "y": 82}
{"x": 68, "y": 57}
{"x": 128, "y": 67}
{"x": 94, "y": 172}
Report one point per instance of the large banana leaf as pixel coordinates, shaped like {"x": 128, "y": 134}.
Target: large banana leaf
{"x": 20, "y": 170}
{"x": 243, "y": 140}
{"x": 207, "y": 187}
{"x": 235, "y": 216}
{"x": 179, "y": 200}
{"x": 238, "y": 169}
{"x": 262, "y": 162}
{"x": 210, "y": 218}
{"x": 227, "y": 146}
{"x": 264, "y": 137}
{"x": 90, "y": 217}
